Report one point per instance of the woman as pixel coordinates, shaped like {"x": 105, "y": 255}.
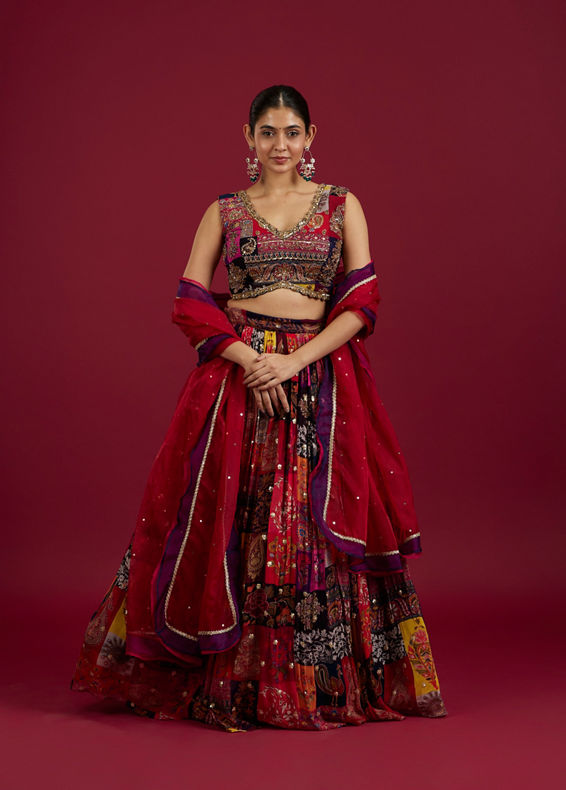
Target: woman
{"x": 266, "y": 581}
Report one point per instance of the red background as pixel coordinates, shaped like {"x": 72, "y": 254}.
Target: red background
{"x": 122, "y": 122}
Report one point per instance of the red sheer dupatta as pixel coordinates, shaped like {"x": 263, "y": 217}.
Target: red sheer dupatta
{"x": 360, "y": 492}
{"x": 182, "y": 595}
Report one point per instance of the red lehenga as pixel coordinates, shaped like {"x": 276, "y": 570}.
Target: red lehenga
{"x": 266, "y": 581}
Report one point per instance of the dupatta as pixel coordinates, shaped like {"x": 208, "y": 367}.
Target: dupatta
{"x": 182, "y": 591}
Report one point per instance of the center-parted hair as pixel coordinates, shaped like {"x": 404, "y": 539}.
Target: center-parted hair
{"x": 279, "y": 96}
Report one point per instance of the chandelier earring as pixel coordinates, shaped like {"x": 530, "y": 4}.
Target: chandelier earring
{"x": 252, "y": 168}
{"x": 307, "y": 168}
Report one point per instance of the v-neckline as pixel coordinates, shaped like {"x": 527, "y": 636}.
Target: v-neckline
{"x": 282, "y": 234}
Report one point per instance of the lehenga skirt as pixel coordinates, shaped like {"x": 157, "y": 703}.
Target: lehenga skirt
{"x": 321, "y": 646}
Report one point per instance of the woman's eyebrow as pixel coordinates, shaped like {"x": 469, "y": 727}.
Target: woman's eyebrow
{"x": 291, "y": 126}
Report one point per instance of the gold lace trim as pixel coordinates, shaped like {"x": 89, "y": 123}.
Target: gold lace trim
{"x": 282, "y": 234}
{"x": 292, "y": 286}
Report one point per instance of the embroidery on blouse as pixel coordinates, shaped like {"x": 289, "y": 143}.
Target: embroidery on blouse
{"x": 282, "y": 234}
{"x": 303, "y": 258}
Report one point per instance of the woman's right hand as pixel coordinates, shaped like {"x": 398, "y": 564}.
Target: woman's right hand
{"x": 269, "y": 399}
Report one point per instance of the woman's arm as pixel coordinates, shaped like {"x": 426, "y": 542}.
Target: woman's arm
{"x": 274, "y": 368}
{"x": 204, "y": 257}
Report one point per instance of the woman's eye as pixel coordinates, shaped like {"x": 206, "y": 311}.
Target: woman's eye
{"x": 267, "y": 133}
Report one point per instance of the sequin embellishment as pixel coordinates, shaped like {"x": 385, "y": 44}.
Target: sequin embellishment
{"x": 261, "y": 258}
{"x": 282, "y": 234}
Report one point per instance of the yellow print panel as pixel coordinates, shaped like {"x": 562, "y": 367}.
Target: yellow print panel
{"x": 417, "y": 645}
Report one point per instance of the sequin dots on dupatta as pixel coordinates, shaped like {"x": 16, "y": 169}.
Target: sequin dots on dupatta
{"x": 321, "y": 646}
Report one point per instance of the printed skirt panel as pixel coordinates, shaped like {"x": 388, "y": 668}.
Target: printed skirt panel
{"x": 321, "y": 646}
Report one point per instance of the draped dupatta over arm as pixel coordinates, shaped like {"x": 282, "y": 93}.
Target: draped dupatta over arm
{"x": 183, "y": 591}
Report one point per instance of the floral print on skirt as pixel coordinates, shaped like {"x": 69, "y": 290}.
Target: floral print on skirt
{"x": 321, "y": 646}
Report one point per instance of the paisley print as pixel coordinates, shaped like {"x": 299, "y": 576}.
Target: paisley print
{"x": 256, "y": 556}
{"x": 321, "y": 646}
{"x": 259, "y": 258}
{"x": 337, "y": 219}
{"x": 308, "y": 610}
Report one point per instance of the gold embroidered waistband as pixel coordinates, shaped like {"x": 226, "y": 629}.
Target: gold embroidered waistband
{"x": 305, "y": 288}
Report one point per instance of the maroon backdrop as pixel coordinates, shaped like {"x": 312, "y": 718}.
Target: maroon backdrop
{"x": 122, "y": 122}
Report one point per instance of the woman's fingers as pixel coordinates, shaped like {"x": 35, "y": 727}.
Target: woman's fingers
{"x": 279, "y": 398}
{"x": 267, "y": 405}
{"x": 258, "y": 400}
{"x": 262, "y": 403}
{"x": 257, "y": 380}
{"x": 282, "y": 397}
{"x": 275, "y": 399}
{"x": 273, "y": 395}
{"x": 266, "y": 400}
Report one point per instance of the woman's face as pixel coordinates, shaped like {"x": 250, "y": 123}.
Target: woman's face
{"x": 279, "y": 139}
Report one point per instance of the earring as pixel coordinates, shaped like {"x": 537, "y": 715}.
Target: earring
{"x": 252, "y": 168}
{"x": 307, "y": 169}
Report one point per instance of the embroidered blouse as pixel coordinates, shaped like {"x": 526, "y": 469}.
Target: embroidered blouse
{"x": 260, "y": 257}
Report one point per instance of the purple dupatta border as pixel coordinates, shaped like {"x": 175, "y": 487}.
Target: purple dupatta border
{"x": 354, "y": 277}
{"x": 164, "y": 574}
{"x": 191, "y": 289}
{"x": 319, "y": 476}
{"x": 383, "y": 563}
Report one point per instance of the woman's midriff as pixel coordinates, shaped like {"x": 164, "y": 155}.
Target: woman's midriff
{"x": 282, "y": 302}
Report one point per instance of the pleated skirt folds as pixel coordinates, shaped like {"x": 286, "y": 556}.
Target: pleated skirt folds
{"x": 321, "y": 646}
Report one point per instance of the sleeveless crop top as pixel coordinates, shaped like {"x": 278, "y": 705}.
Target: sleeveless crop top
{"x": 260, "y": 258}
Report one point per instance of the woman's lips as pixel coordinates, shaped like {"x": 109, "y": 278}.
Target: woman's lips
{"x": 280, "y": 158}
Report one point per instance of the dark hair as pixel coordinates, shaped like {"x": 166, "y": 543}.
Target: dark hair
{"x": 279, "y": 96}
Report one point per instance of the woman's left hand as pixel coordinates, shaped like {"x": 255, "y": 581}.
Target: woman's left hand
{"x": 271, "y": 369}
